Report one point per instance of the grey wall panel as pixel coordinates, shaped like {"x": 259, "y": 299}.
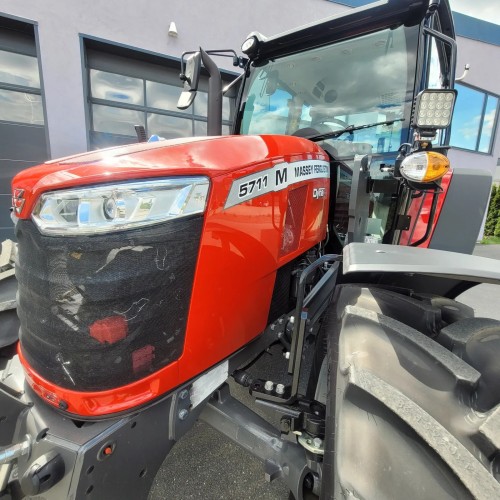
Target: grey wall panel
{"x": 6, "y": 226}
{"x": 23, "y": 142}
{"x": 21, "y": 146}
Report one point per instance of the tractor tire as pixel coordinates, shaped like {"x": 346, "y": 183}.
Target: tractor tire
{"x": 412, "y": 397}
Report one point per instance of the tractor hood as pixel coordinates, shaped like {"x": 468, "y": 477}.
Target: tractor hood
{"x": 208, "y": 156}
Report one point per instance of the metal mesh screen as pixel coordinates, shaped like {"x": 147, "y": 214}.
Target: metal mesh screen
{"x": 98, "y": 312}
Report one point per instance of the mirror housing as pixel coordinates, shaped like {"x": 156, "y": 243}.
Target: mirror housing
{"x": 190, "y": 77}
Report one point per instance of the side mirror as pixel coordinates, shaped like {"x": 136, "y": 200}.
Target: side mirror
{"x": 190, "y": 77}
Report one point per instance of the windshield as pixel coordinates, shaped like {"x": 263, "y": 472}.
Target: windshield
{"x": 355, "y": 82}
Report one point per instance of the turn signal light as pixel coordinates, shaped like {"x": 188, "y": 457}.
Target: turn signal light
{"x": 424, "y": 166}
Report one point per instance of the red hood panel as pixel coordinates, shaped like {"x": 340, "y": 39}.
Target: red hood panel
{"x": 209, "y": 156}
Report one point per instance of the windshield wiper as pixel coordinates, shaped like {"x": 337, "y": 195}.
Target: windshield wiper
{"x": 350, "y": 129}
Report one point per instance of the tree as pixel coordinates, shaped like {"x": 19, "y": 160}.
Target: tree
{"x": 493, "y": 212}
{"x": 497, "y": 227}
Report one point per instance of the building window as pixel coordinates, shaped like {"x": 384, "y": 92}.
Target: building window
{"x": 125, "y": 91}
{"x": 23, "y": 141}
{"x": 474, "y": 120}
{"x": 20, "y": 94}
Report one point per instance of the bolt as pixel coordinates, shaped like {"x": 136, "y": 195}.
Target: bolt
{"x": 184, "y": 394}
{"x": 280, "y": 389}
{"x": 183, "y": 414}
{"x": 285, "y": 425}
{"x": 317, "y": 442}
{"x": 268, "y": 386}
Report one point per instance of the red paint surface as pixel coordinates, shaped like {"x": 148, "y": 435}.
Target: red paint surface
{"x": 420, "y": 221}
{"x": 239, "y": 250}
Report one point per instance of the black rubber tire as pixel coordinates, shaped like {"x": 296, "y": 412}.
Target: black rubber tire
{"x": 407, "y": 418}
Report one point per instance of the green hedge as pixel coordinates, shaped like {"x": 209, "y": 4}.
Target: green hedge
{"x": 492, "y": 226}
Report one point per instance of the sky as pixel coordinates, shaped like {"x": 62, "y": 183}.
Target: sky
{"x": 488, "y": 10}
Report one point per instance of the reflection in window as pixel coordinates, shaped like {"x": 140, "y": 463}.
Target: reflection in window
{"x": 163, "y": 96}
{"x": 305, "y": 90}
{"x": 19, "y": 69}
{"x": 116, "y": 120}
{"x": 21, "y": 107}
{"x": 169, "y": 127}
{"x": 474, "y": 120}
{"x": 120, "y": 102}
{"x": 200, "y": 128}
{"x": 489, "y": 119}
{"x": 20, "y": 95}
{"x": 119, "y": 88}
{"x": 201, "y": 104}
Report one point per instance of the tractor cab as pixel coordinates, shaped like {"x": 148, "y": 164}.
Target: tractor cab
{"x": 358, "y": 90}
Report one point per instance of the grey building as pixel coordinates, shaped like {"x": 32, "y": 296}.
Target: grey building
{"x": 78, "y": 75}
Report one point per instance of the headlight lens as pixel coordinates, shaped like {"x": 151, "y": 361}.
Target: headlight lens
{"x": 117, "y": 207}
{"x": 424, "y": 166}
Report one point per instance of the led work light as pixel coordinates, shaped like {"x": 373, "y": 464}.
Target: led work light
{"x": 434, "y": 108}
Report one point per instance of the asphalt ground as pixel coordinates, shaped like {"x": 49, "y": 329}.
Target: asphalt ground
{"x": 207, "y": 465}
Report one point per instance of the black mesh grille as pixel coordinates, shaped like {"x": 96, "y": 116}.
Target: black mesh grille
{"x": 101, "y": 311}
{"x": 292, "y": 227}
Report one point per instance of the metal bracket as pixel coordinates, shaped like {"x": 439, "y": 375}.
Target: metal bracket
{"x": 403, "y": 222}
{"x": 359, "y": 201}
{"x": 308, "y": 311}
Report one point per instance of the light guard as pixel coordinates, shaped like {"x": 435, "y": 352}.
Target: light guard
{"x": 117, "y": 207}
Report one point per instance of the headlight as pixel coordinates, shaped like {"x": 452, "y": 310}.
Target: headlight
{"x": 424, "y": 166}
{"x": 116, "y": 207}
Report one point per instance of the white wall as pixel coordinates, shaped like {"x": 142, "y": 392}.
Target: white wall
{"x": 214, "y": 24}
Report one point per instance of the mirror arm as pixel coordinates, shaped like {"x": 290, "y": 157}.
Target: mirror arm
{"x": 214, "y": 114}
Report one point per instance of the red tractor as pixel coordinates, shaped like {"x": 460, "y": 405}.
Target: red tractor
{"x": 150, "y": 274}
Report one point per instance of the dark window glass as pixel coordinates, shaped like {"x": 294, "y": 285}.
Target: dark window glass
{"x": 163, "y": 96}
{"x": 19, "y": 69}
{"x": 169, "y": 127}
{"x": 119, "y": 88}
{"x": 474, "y": 120}
{"x": 201, "y": 104}
{"x": 116, "y": 120}
{"x": 227, "y": 108}
{"x": 489, "y": 120}
{"x": 200, "y": 128}
{"x": 21, "y": 107}
{"x": 119, "y": 102}
{"x": 467, "y": 118}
